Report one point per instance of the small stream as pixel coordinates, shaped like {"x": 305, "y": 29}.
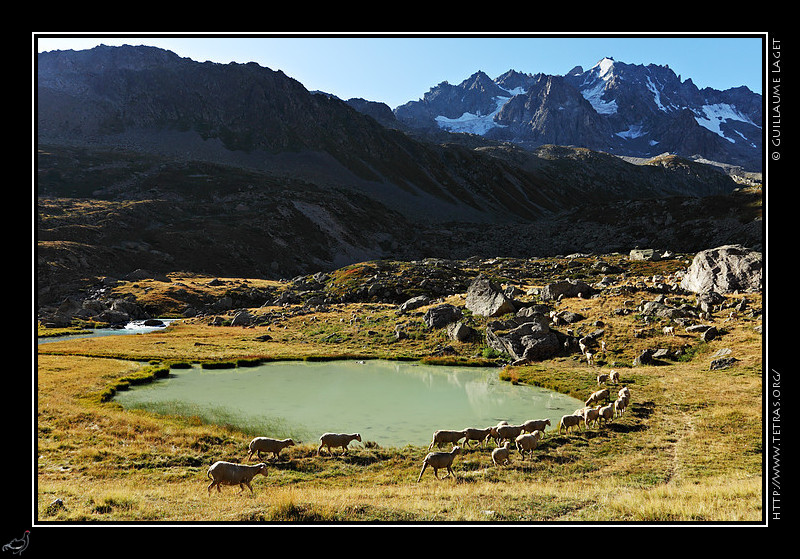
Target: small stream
{"x": 133, "y": 327}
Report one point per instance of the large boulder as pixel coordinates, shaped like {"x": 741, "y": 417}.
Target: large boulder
{"x": 724, "y": 269}
{"x": 532, "y": 340}
{"x": 485, "y": 298}
{"x": 566, "y": 288}
{"x": 413, "y": 303}
{"x": 441, "y": 315}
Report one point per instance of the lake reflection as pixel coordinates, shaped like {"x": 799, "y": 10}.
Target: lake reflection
{"x": 391, "y": 403}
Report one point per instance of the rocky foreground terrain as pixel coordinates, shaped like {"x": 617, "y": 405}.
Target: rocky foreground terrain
{"x": 507, "y": 305}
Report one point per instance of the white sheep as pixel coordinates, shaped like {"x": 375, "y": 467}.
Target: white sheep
{"x": 605, "y": 413}
{"x": 597, "y": 397}
{"x": 620, "y": 405}
{"x": 493, "y": 432}
{"x": 473, "y": 434}
{"x": 502, "y": 455}
{"x": 602, "y": 378}
{"x": 613, "y": 376}
{"x": 508, "y": 432}
{"x": 535, "y": 425}
{"x": 437, "y": 460}
{"x": 624, "y": 392}
{"x": 266, "y": 444}
{"x": 591, "y": 416}
{"x": 229, "y": 473}
{"x": 589, "y": 358}
{"x": 335, "y": 440}
{"x": 528, "y": 442}
{"x": 444, "y": 436}
{"x": 669, "y": 330}
{"x": 568, "y": 421}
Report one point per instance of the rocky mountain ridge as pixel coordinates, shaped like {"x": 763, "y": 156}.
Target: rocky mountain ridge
{"x": 148, "y": 160}
{"x": 619, "y": 108}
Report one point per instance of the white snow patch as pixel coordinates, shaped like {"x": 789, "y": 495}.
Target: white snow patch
{"x": 604, "y": 67}
{"x": 656, "y": 94}
{"x": 473, "y": 123}
{"x": 633, "y": 131}
{"x": 714, "y": 115}
{"x": 595, "y": 91}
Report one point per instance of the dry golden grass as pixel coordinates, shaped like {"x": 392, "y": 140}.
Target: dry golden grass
{"x": 689, "y": 449}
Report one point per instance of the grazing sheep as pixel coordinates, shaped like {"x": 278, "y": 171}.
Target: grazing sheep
{"x": 472, "y": 434}
{"x": 334, "y": 440}
{"x": 266, "y": 444}
{"x": 508, "y": 432}
{"x": 605, "y": 413}
{"x": 624, "y": 392}
{"x": 620, "y": 404}
{"x": 437, "y": 460}
{"x": 568, "y": 421}
{"x": 597, "y": 397}
{"x": 613, "y": 376}
{"x": 493, "y": 433}
{"x": 669, "y": 330}
{"x": 591, "y": 415}
{"x": 528, "y": 442}
{"x": 602, "y": 378}
{"x": 502, "y": 455}
{"x": 589, "y": 358}
{"x": 535, "y": 425}
{"x": 228, "y": 473}
{"x": 443, "y": 436}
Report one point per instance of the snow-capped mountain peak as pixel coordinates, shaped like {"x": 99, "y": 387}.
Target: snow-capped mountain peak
{"x": 625, "y": 109}
{"x": 604, "y": 67}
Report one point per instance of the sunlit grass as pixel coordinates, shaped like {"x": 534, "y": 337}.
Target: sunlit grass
{"x": 688, "y": 449}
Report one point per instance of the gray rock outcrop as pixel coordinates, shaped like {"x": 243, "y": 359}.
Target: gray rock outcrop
{"x": 523, "y": 338}
{"x": 566, "y": 288}
{"x": 485, "y": 298}
{"x": 725, "y": 269}
{"x": 441, "y": 315}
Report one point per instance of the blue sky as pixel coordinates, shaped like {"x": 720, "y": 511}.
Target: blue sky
{"x": 395, "y": 70}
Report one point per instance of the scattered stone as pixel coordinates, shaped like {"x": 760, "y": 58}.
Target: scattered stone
{"x": 643, "y": 254}
{"x": 242, "y": 318}
{"x": 485, "y": 298}
{"x": 709, "y": 334}
{"x": 413, "y": 303}
{"x": 459, "y": 332}
{"x": 441, "y": 315}
{"x": 722, "y": 363}
{"x": 531, "y": 340}
{"x": 566, "y": 288}
{"x": 645, "y": 358}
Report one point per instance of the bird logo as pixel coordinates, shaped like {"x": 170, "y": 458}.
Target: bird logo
{"x": 18, "y": 545}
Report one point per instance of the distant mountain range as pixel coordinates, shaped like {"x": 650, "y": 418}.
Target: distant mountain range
{"x": 619, "y": 108}
{"x": 223, "y": 168}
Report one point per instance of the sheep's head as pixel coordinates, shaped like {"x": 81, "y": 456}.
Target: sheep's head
{"x": 358, "y": 437}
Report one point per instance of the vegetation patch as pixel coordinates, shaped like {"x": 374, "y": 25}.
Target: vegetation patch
{"x": 688, "y": 447}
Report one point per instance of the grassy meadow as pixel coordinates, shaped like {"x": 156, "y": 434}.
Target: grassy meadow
{"x": 687, "y": 450}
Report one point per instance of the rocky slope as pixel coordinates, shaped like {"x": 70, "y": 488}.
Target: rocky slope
{"x": 147, "y": 160}
{"x": 625, "y": 109}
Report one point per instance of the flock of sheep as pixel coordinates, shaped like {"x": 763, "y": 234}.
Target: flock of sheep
{"x": 526, "y": 436}
{"x": 231, "y": 473}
